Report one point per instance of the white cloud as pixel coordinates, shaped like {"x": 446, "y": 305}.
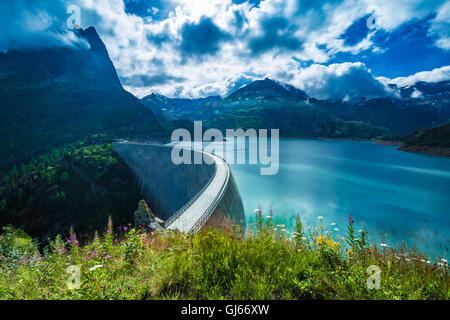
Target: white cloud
{"x": 349, "y": 81}
{"x": 317, "y": 25}
{"x": 416, "y": 94}
{"x": 441, "y": 27}
{"x": 435, "y": 75}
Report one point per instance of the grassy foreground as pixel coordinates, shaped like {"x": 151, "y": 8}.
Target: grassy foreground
{"x": 271, "y": 263}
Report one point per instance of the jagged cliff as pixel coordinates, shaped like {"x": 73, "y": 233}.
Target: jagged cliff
{"x": 59, "y": 95}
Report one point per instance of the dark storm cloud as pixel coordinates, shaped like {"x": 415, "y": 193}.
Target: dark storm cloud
{"x": 278, "y": 33}
{"x": 161, "y": 38}
{"x": 202, "y": 38}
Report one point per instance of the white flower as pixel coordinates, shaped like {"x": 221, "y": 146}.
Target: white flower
{"x": 320, "y": 218}
{"x": 444, "y": 260}
{"x": 333, "y": 224}
{"x": 95, "y": 267}
{"x": 336, "y": 229}
{"x": 383, "y": 244}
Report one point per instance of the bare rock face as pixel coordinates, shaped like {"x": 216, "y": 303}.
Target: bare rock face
{"x": 145, "y": 217}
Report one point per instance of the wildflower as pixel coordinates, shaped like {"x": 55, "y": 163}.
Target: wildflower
{"x": 360, "y": 231}
{"x": 350, "y": 219}
{"x": 383, "y": 244}
{"x": 304, "y": 238}
{"x": 320, "y": 218}
{"x": 120, "y": 289}
{"x": 444, "y": 260}
{"x": 333, "y": 223}
{"x": 336, "y": 229}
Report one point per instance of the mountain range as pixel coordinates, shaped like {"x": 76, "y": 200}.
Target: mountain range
{"x": 54, "y": 96}
{"x": 272, "y": 104}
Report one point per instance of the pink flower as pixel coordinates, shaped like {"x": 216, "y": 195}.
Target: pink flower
{"x": 350, "y": 219}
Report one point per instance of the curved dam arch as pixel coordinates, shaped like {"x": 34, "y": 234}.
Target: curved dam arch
{"x": 186, "y": 196}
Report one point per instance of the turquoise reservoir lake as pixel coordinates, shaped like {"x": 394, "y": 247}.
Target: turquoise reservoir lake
{"x": 395, "y": 195}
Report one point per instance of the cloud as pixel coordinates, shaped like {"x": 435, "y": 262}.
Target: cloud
{"x": 28, "y": 24}
{"x": 195, "y": 48}
{"x": 277, "y": 34}
{"x": 436, "y": 75}
{"x": 202, "y": 38}
{"x": 441, "y": 27}
{"x": 349, "y": 81}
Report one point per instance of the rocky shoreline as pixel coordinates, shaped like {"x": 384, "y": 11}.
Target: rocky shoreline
{"x": 434, "y": 151}
{"x": 430, "y": 150}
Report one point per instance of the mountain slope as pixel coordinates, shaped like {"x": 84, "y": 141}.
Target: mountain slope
{"x": 397, "y": 116}
{"x": 175, "y": 108}
{"x": 268, "y": 104}
{"x": 54, "y": 96}
{"x": 267, "y": 88}
{"x": 435, "y": 141}
{"x": 299, "y": 120}
{"x": 77, "y": 186}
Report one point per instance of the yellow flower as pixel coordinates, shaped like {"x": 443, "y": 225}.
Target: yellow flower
{"x": 327, "y": 242}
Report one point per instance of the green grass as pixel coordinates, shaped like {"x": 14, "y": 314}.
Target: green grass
{"x": 215, "y": 264}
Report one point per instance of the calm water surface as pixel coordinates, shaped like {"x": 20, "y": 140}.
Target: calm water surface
{"x": 395, "y": 195}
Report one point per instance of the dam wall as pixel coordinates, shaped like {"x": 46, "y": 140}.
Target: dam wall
{"x": 186, "y": 196}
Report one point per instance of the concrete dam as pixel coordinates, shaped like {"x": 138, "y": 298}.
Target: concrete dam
{"x": 186, "y": 196}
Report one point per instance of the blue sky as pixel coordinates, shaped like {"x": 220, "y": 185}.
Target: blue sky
{"x": 337, "y": 49}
